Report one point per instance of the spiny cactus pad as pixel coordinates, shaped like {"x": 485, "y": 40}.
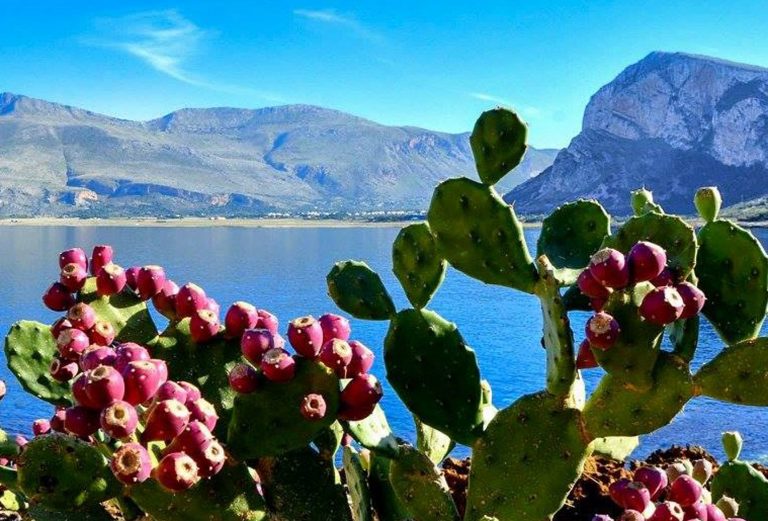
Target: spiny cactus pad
{"x": 358, "y": 290}
{"x": 498, "y": 143}
{"x": 421, "y": 487}
{"x": 747, "y": 485}
{"x": 357, "y": 484}
{"x": 431, "y": 442}
{"x": 737, "y": 373}
{"x": 385, "y": 501}
{"x": 573, "y": 232}
{"x": 416, "y": 263}
{"x": 374, "y": 433}
{"x": 125, "y": 311}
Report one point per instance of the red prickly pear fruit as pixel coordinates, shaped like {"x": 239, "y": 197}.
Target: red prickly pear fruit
{"x": 190, "y": 299}
{"x": 71, "y": 343}
{"x": 79, "y": 393}
{"x": 240, "y": 317}
{"x": 585, "y": 359}
{"x": 102, "y": 333}
{"x": 597, "y": 304}
{"x": 355, "y": 412}
{"x": 255, "y": 342}
{"x": 602, "y": 331}
{"x": 129, "y": 352}
{"x": 336, "y": 354}
{"x": 82, "y": 316}
{"x": 244, "y": 379}
{"x": 59, "y": 326}
{"x": 21, "y": 441}
{"x": 119, "y": 419}
{"x": 685, "y": 491}
{"x": 81, "y": 421}
{"x": 609, "y": 268}
{"x": 104, "y": 385}
{"x": 170, "y": 391}
{"x": 40, "y": 427}
{"x": 279, "y": 341}
{"x": 132, "y": 277}
{"x": 667, "y": 511}
{"x": 334, "y": 326}
{"x": 632, "y": 515}
{"x": 646, "y": 261}
{"x": 203, "y": 411}
{"x": 165, "y": 300}
{"x": 693, "y": 299}
{"x": 313, "y": 407}
{"x": 110, "y": 280}
{"x": 191, "y": 439}
{"x": 213, "y": 306}
{"x": 58, "y": 297}
{"x": 616, "y": 490}
{"x": 203, "y": 326}
{"x": 176, "y": 472}
{"x": 346, "y": 440}
{"x": 654, "y": 479}
{"x": 73, "y": 256}
{"x": 165, "y": 421}
{"x": 210, "y": 458}
{"x": 193, "y": 393}
{"x": 131, "y": 464}
{"x": 149, "y": 281}
{"x": 267, "y": 321}
{"x": 665, "y": 278}
{"x": 142, "y": 380}
{"x": 590, "y": 287}
{"x": 102, "y": 255}
{"x": 278, "y": 366}
{"x": 96, "y": 355}
{"x": 362, "y": 393}
{"x": 162, "y": 369}
{"x": 714, "y": 513}
{"x": 662, "y": 306}
{"x": 73, "y": 277}
{"x": 362, "y": 359}
{"x": 696, "y": 511}
{"x": 63, "y": 370}
{"x": 602, "y": 517}
{"x": 306, "y": 336}
{"x": 57, "y": 420}
{"x": 634, "y": 496}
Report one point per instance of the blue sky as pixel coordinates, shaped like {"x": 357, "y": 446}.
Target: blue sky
{"x": 430, "y": 64}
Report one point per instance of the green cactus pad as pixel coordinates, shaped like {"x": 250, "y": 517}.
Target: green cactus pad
{"x": 63, "y": 473}
{"x": 736, "y": 373}
{"x": 91, "y": 513}
{"x": 747, "y": 485}
{"x": 421, "y": 487}
{"x": 684, "y": 335}
{"x": 275, "y": 409}
{"x": 417, "y": 264}
{"x": 573, "y": 233}
{"x": 300, "y": 486}
{"x": 358, "y": 290}
{"x": 669, "y": 232}
{"x": 431, "y": 442}
{"x": 732, "y": 444}
{"x": 435, "y": 373}
{"x": 479, "y": 234}
{"x": 708, "y": 202}
{"x": 385, "y": 502}
{"x": 614, "y": 410}
{"x": 230, "y": 495}
{"x": 357, "y": 484}
{"x": 29, "y": 350}
{"x": 632, "y": 358}
{"x": 615, "y": 447}
{"x": 374, "y": 433}
{"x": 498, "y": 142}
{"x": 733, "y": 274}
{"x": 527, "y": 461}
{"x": 125, "y": 311}
{"x": 328, "y": 441}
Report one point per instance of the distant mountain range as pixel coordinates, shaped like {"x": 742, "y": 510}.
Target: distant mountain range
{"x": 57, "y": 160}
{"x": 671, "y": 122}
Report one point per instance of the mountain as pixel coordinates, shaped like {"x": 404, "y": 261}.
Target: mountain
{"x": 60, "y": 160}
{"x": 671, "y": 122}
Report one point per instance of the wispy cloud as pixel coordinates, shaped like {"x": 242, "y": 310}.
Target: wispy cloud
{"x": 526, "y": 110}
{"x": 348, "y": 21}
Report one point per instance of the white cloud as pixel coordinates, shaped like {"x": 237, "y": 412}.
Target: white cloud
{"x": 332, "y": 17}
{"x": 526, "y": 110}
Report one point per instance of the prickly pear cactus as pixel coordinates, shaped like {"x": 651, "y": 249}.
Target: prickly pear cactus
{"x": 416, "y": 263}
{"x": 742, "y": 482}
{"x": 420, "y": 487}
{"x": 357, "y": 484}
{"x": 498, "y": 141}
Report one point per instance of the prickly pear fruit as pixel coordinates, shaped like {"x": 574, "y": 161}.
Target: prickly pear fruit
{"x": 359, "y": 397}
{"x": 131, "y": 464}
{"x": 58, "y": 297}
{"x": 191, "y": 439}
{"x": 635, "y": 496}
{"x": 81, "y": 421}
{"x": 63, "y": 370}
{"x": 240, "y": 316}
{"x": 149, "y": 281}
{"x": 336, "y": 354}
{"x": 362, "y": 359}
{"x": 190, "y": 299}
{"x": 210, "y": 458}
{"x": 204, "y": 325}
{"x": 73, "y": 277}
{"x": 313, "y": 407}
{"x": 244, "y": 379}
{"x": 662, "y": 306}
{"x": 203, "y": 411}
{"x": 176, "y": 472}
{"x": 71, "y": 343}
{"x": 708, "y": 202}
{"x": 57, "y": 420}
{"x": 677, "y": 469}
{"x": 119, "y": 419}
{"x": 728, "y": 506}
{"x": 632, "y": 515}
{"x": 165, "y": 421}
{"x": 129, "y": 352}
{"x": 714, "y": 513}
{"x": 74, "y": 255}
{"x": 596, "y": 517}
{"x": 654, "y": 479}
{"x": 255, "y": 342}
{"x": 170, "y": 390}
{"x": 102, "y": 255}
{"x": 142, "y": 379}
{"x": 79, "y": 393}
{"x": 685, "y": 491}
{"x": 165, "y": 300}
{"x": 693, "y": 299}
{"x": 609, "y": 268}
{"x": 667, "y": 511}
{"x": 102, "y": 333}
{"x": 646, "y": 261}
{"x": 104, "y": 385}
{"x": 110, "y": 280}
{"x": 82, "y": 316}
{"x": 60, "y": 325}
{"x": 267, "y": 321}
{"x": 132, "y": 277}
{"x": 695, "y": 511}
{"x": 602, "y": 330}
{"x": 585, "y": 358}
{"x": 702, "y": 470}
{"x": 40, "y": 427}
{"x": 277, "y": 365}
{"x": 665, "y": 278}
{"x": 193, "y": 393}
{"x": 306, "y": 336}
{"x": 334, "y": 326}
{"x": 590, "y": 287}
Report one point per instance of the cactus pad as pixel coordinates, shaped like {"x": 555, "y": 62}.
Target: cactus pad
{"x": 385, "y": 502}
{"x": 498, "y": 143}
{"x": 125, "y": 311}
{"x": 736, "y": 373}
{"x": 357, "y": 484}
{"x": 374, "y": 433}
{"x": 742, "y": 482}
{"x": 417, "y": 264}
{"x": 572, "y": 233}
{"x": 421, "y": 487}
{"x": 615, "y": 447}
{"x": 431, "y": 442}
{"x": 708, "y": 202}
{"x": 358, "y": 290}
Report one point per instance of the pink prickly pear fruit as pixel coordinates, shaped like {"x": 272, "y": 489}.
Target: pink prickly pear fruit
{"x": 81, "y": 421}
{"x": 102, "y": 256}
{"x": 334, "y": 326}
{"x": 110, "y": 280}
{"x": 63, "y": 370}
{"x": 176, "y": 472}
{"x": 203, "y": 411}
{"x": 40, "y": 427}
{"x": 313, "y": 407}
{"x": 362, "y": 359}
{"x": 170, "y": 391}
{"x": 336, "y": 354}
{"x": 267, "y": 321}
{"x": 240, "y": 317}
{"x": 255, "y": 342}
{"x": 165, "y": 421}
{"x": 632, "y": 515}
{"x": 665, "y": 278}
{"x": 361, "y": 395}
{"x": 80, "y": 394}
{"x": 212, "y": 305}
{"x": 616, "y": 490}
{"x": 646, "y": 261}
{"x": 58, "y": 297}
{"x": 104, "y": 385}
{"x": 602, "y": 331}
{"x": 210, "y": 458}
{"x": 57, "y": 420}
{"x": 714, "y": 513}
{"x": 203, "y": 326}
{"x": 191, "y": 439}
{"x": 162, "y": 369}
{"x": 73, "y": 256}
{"x": 654, "y": 479}
{"x": 142, "y": 379}
{"x": 668, "y": 511}
{"x": 662, "y": 306}
{"x": 590, "y": 287}
{"x": 96, "y": 355}
{"x": 244, "y": 379}
{"x": 71, "y": 343}
{"x": 585, "y": 358}
{"x": 693, "y": 299}
{"x": 695, "y": 511}
{"x": 635, "y": 497}
{"x": 21, "y": 441}
{"x": 129, "y": 352}
{"x": 132, "y": 277}
{"x": 119, "y": 419}
{"x": 193, "y": 393}
{"x": 306, "y": 336}
{"x": 131, "y": 464}
{"x": 60, "y": 325}
{"x": 609, "y": 268}
{"x": 165, "y": 300}
{"x": 685, "y": 491}
{"x": 102, "y": 333}
{"x": 278, "y": 366}
{"x": 149, "y": 281}
{"x": 73, "y": 277}
{"x": 82, "y": 316}
{"x": 190, "y": 299}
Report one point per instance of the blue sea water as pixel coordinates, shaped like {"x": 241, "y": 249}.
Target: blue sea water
{"x": 283, "y": 270}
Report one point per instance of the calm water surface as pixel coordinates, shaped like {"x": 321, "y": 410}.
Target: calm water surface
{"x": 284, "y": 270}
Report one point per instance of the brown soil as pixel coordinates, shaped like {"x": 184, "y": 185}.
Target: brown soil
{"x": 456, "y": 472}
